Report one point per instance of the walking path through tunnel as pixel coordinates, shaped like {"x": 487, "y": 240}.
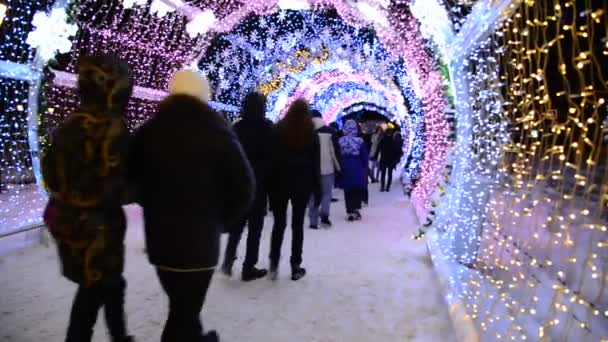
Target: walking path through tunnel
{"x": 368, "y": 281}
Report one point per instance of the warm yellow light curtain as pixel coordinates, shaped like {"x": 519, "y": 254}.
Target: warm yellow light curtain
{"x": 544, "y": 244}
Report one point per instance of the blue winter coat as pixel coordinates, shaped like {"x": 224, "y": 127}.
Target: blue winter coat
{"x": 355, "y": 158}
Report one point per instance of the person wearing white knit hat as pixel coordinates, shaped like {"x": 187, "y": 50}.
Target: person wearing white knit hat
{"x": 193, "y": 181}
{"x": 192, "y": 83}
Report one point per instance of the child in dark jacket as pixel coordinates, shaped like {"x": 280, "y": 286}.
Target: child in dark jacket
{"x": 355, "y": 157}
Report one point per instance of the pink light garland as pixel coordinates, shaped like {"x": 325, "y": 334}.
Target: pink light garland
{"x": 308, "y": 88}
{"x": 157, "y": 47}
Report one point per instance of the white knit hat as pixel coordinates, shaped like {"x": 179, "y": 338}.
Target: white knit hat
{"x": 190, "y": 82}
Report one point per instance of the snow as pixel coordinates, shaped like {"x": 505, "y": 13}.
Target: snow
{"x": 367, "y": 281}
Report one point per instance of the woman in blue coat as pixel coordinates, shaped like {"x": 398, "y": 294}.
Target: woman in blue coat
{"x": 355, "y": 157}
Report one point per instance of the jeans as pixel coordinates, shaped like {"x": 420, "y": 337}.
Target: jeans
{"x": 327, "y": 185}
{"x": 110, "y": 294}
{"x": 373, "y": 171}
{"x": 186, "y": 292}
{"x": 385, "y": 184}
{"x": 255, "y": 225}
{"x": 298, "y": 203}
{"x": 352, "y": 200}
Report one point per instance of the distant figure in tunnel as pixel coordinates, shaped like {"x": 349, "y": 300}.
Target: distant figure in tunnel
{"x": 388, "y": 154}
{"x": 193, "y": 181}
{"x": 295, "y": 177}
{"x": 376, "y": 138}
{"x": 355, "y": 160}
{"x": 329, "y": 166}
{"x": 84, "y": 171}
{"x": 255, "y": 133}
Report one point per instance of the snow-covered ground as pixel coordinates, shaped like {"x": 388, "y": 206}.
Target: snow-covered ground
{"x": 366, "y": 282}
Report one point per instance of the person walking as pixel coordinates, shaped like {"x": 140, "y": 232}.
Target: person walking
{"x": 255, "y": 133}
{"x": 84, "y": 171}
{"x": 329, "y": 166}
{"x": 388, "y": 159}
{"x": 193, "y": 182}
{"x": 355, "y": 159}
{"x": 295, "y": 177}
{"x": 376, "y": 138}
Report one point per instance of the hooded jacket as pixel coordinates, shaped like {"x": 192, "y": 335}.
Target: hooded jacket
{"x": 255, "y": 133}
{"x": 193, "y": 180}
{"x": 330, "y": 149}
{"x": 84, "y": 172}
{"x": 355, "y": 158}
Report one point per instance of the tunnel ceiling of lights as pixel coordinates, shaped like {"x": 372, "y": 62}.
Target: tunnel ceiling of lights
{"x": 342, "y": 56}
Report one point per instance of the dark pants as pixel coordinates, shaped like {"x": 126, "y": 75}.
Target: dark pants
{"x": 353, "y": 199}
{"x": 255, "y": 225}
{"x": 385, "y": 184}
{"x": 299, "y": 202}
{"x": 110, "y": 294}
{"x": 186, "y": 292}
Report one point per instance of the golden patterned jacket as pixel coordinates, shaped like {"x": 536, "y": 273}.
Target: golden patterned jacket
{"x": 84, "y": 170}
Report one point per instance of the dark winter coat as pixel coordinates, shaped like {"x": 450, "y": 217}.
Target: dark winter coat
{"x": 295, "y": 171}
{"x": 193, "y": 181}
{"x": 355, "y": 159}
{"x": 388, "y": 152}
{"x": 255, "y": 134}
{"x": 84, "y": 171}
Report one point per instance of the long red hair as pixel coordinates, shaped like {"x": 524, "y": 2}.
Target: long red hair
{"x": 296, "y": 128}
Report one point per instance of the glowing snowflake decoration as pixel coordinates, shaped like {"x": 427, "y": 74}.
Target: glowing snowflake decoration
{"x": 160, "y": 8}
{"x": 201, "y": 23}
{"x": 51, "y": 34}
{"x": 294, "y": 5}
{"x": 133, "y": 3}
{"x": 373, "y": 13}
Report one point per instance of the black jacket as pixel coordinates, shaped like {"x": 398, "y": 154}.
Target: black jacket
{"x": 255, "y": 134}
{"x": 388, "y": 151}
{"x": 295, "y": 171}
{"x": 193, "y": 181}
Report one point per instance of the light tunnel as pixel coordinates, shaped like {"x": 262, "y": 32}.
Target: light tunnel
{"x": 502, "y": 105}
{"x": 336, "y": 54}
{"x": 328, "y": 56}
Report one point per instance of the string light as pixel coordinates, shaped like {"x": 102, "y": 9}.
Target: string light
{"x": 526, "y": 207}
{"x": 3, "y": 9}
{"x": 21, "y": 202}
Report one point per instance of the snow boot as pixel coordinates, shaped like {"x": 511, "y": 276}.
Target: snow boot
{"x": 227, "y": 269}
{"x": 126, "y": 339}
{"x": 211, "y": 336}
{"x": 313, "y": 226}
{"x": 358, "y": 216}
{"x": 325, "y": 222}
{"x": 297, "y": 273}
{"x": 350, "y": 218}
{"x": 253, "y": 274}
{"x": 274, "y": 272}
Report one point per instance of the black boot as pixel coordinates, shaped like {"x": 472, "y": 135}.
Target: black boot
{"x": 211, "y": 336}
{"x": 274, "y": 271}
{"x": 253, "y": 273}
{"x": 126, "y": 339}
{"x": 227, "y": 269}
{"x": 297, "y": 273}
{"x": 325, "y": 222}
